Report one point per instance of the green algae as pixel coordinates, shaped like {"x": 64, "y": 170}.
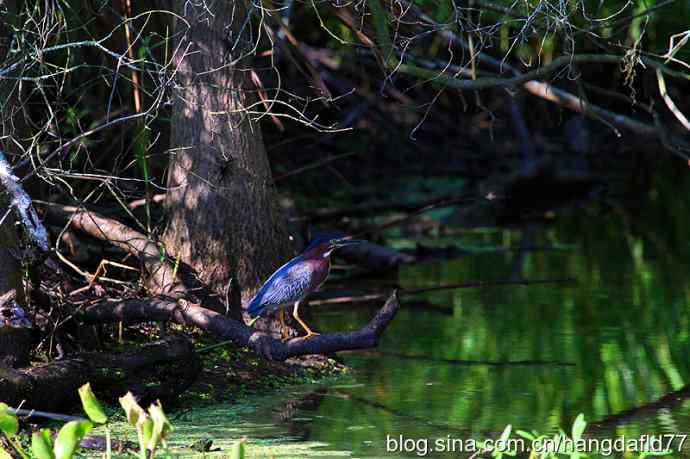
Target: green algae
{"x": 211, "y": 429}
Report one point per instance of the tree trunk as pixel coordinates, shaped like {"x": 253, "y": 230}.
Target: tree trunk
{"x": 10, "y": 269}
{"x": 223, "y": 214}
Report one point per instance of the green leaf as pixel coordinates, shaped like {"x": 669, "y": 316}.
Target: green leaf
{"x": 146, "y": 426}
{"x": 161, "y": 426}
{"x": 132, "y": 409}
{"x": 238, "y": 450}
{"x": 5, "y": 455}
{"x": 92, "y": 407}
{"x": 8, "y": 421}
{"x": 69, "y": 437}
{"x": 579, "y": 426}
{"x": 654, "y": 453}
{"x": 506, "y": 433}
{"x": 41, "y": 445}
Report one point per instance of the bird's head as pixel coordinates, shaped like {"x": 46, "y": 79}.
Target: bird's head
{"x": 323, "y": 246}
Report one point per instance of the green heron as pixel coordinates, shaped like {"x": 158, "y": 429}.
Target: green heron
{"x": 296, "y": 279}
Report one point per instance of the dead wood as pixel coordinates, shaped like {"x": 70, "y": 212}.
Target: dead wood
{"x": 159, "y": 370}
{"x": 374, "y": 256}
{"x": 131, "y": 241}
{"x": 163, "y": 278}
{"x": 663, "y": 404}
{"x": 182, "y": 312}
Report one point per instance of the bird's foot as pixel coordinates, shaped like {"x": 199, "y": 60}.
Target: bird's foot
{"x": 311, "y": 334}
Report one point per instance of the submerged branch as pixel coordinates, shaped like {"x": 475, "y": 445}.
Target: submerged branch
{"x": 462, "y": 362}
{"x": 416, "y": 291}
{"x": 664, "y": 403}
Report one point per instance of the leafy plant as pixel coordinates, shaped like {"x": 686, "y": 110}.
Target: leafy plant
{"x": 562, "y": 445}
{"x": 238, "y": 449}
{"x": 9, "y": 426}
{"x": 66, "y": 442}
{"x": 68, "y": 438}
{"x": 152, "y": 427}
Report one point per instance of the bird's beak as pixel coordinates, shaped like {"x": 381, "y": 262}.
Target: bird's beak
{"x": 253, "y": 321}
{"x": 344, "y": 242}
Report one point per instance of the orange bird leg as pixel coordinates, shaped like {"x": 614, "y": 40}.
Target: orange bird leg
{"x": 295, "y": 314}
{"x": 284, "y": 333}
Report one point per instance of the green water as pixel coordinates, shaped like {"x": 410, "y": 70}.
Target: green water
{"x": 612, "y": 345}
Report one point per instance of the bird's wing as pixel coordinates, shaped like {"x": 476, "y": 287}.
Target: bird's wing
{"x": 288, "y": 284}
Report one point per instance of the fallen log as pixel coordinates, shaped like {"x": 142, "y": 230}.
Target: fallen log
{"x": 159, "y": 370}
{"x": 665, "y": 403}
{"x": 370, "y": 255}
{"x": 375, "y": 257}
{"x": 185, "y": 313}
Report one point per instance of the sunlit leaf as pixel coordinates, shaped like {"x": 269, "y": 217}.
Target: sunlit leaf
{"x": 8, "y": 421}
{"x": 132, "y": 409}
{"x": 579, "y": 426}
{"x": 654, "y": 453}
{"x": 69, "y": 437}
{"x": 145, "y": 425}
{"x": 238, "y": 450}
{"x": 161, "y": 426}
{"x": 506, "y": 433}
{"x": 5, "y": 455}
{"x": 92, "y": 407}
{"x": 41, "y": 446}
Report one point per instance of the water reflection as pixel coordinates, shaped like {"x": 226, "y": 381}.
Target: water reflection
{"x": 465, "y": 363}
{"x": 624, "y": 326}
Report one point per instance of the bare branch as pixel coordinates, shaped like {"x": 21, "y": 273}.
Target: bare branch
{"x": 184, "y": 313}
{"x": 682, "y": 119}
{"x": 131, "y": 241}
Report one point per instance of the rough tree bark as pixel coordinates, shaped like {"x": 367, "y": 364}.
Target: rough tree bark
{"x": 223, "y": 215}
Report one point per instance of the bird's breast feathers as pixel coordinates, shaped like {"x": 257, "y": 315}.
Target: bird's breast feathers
{"x": 320, "y": 270}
